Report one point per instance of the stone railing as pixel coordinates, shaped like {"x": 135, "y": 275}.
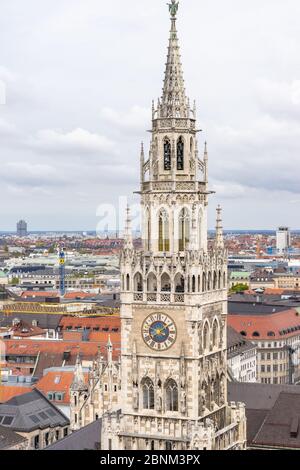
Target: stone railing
{"x": 165, "y": 297}
{"x": 227, "y": 438}
{"x": 179, "y": 298}
{"x": 151, "y": 297}
{"x": 138, "y": 297}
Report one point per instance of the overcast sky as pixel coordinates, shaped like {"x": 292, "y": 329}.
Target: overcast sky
{"x": 80, "y": 76}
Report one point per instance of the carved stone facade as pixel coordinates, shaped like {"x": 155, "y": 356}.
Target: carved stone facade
{"x": 90, "y": 399}
{"x": 174, "y": 297}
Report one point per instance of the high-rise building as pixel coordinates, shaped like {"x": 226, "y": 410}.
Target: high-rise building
{"x": 283, "y": 240}
{"x": 21, "y": 228}
{"x": 174, "y": 296}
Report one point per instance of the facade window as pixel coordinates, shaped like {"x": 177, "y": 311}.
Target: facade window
{"x": 163, "y": 231}
{"x": 206, "y": 337}
{"x": 184, "y": 229}
{"x": 138, "y": 282}
{"x": 193, "y": 284}
{"x": 203, "y": 282}
{"x": 148, "y": 394}
{"x": 127, "y": 282}
{"x": 180, "y": 154}
{"x": 215, "y": 333}
{"x": 171, "y": 395}
{"x": 167, "y": 155}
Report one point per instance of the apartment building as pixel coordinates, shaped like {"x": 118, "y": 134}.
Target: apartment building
{"x": 276, "y": 333}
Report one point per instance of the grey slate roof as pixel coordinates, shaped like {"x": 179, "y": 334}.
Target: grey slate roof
{"x": 50, "y": 322}
{"x": 272, "y": 412}
{"x": 31, "y": 411}
{"x": 250, "y": 308}
{"x": 86, "y": 438}
{"x": 236, "y": 343}
{"x": 281, "y": 425}
{"x": 257, "y": 396}
{"x": 9, "y": 438}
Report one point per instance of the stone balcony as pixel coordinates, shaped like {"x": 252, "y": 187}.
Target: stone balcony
{"x": 180, "y": 297}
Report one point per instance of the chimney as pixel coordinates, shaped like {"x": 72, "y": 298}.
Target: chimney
{"x": 294, "y": 427}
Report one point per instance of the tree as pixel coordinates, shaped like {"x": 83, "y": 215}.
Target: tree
{"x": 239, "y": 288}
{"x": 14, "y": 281}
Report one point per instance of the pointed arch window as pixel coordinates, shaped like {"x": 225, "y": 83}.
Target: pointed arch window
{"x": 184, "y": 229}
{"x": 215, "y": 334}
{"x": 163, "y": 231}
{"x": 167, "y": 155}
{"x": 148, "y": 229}
{"x": 127, "y": 282}
{"x": 206, "y": 337}
{"x": 171, "y": 395}
{"x": 148, "y": 394}
{"x": 180, "y": 154}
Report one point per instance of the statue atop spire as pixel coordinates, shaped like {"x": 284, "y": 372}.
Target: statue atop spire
{"x": 174, "y": 102}
{"x": 173, "y": 8}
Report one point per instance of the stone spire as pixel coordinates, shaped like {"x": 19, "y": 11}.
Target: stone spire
{"x": 109, "y": 348}
{"x": 142, "y": 163}
{"x": 128, "y": 243}
{"x": 78, "y": 380}
{"x": 205, "y": 163}
{"x": 219, "y": 241}
{"x": 174, "y": 102}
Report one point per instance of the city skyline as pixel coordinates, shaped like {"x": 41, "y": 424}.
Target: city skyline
{"x": 76, "y": 109}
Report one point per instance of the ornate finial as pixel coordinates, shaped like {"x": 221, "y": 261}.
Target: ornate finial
{"x": 219, "y": 241}
{"x": 173, "y": 8}
{"x": 128, "y": 233}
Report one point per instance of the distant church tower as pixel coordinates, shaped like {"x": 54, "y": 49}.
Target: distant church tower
{"x": 174, "y": 296}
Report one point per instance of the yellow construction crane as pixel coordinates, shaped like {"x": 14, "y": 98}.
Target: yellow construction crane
{"x": 35, "y": 308}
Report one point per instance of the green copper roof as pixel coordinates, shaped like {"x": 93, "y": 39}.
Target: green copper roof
{"x": 239, "y": 274}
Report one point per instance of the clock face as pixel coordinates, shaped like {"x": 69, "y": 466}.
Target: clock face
{"x": 159, "y": 331}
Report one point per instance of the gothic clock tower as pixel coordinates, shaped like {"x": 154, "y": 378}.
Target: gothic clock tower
{"x": 174, "y": 295}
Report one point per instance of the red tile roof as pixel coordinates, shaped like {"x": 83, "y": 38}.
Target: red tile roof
{"x": 87, "y": 349}
{"x": 9, "y": 391}
{"x": 29, "y": 294}
{"x": 105, "y": 321}
{"x": 59, "y": 381}
{"x": 270, "y": 291}
{"x": 74, "y": 295}
{"x": 265, "y": 325}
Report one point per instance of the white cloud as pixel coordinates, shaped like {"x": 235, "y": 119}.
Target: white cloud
{"x": 78, "y": 141}
{"x": 6, "y": 128}
{"x": 136, "y": 118}
{"x": 80, "y": 78}
{"x": 279, "y": 98}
